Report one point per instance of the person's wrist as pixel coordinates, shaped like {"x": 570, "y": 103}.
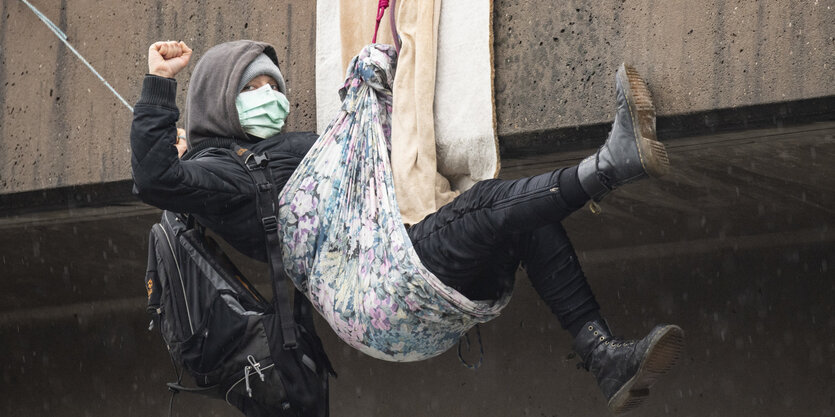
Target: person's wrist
{"x": 161, "y": 73}
{"x": 158, "y": 91}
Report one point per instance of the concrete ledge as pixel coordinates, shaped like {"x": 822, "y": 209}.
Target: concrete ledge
{"x": 521, "y": 145}
{"x": 574, "y": 138}
{"x": 69, "y": 197}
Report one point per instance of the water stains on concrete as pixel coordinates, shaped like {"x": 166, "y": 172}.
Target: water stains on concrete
{"x": 3, "y": 84}
{"x": 696, "y": 56}
{"x": 79, "y": 133}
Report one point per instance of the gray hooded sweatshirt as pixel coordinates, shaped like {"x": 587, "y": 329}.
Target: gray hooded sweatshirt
{"x": 211, "y": 116}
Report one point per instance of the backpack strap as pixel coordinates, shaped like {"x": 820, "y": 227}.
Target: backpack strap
{"x": 303, "y": 310}
{"x": 266, "y": 197}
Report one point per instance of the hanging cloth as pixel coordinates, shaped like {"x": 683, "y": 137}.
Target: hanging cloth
{"x": 443, "y": 130}
{"x": 345, "y": 246}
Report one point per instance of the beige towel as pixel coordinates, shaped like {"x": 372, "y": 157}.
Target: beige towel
{"x": 469, "y": 151}
{"x": 465, "y": 121}
{"x": 420, "y": 189}
{"x": 356, "y": 27}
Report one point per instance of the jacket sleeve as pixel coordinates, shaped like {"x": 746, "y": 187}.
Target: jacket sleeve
{"x": 160, "y": 177}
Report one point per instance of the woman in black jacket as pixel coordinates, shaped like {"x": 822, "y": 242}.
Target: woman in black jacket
{"x": 474, "y": 244}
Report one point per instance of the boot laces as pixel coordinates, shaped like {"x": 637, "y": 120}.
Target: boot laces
{"x": 585, "y": 362}
{"x": 604, "y": 179}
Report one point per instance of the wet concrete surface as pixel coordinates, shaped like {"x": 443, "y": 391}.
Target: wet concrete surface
{"x": 736, "y": 245}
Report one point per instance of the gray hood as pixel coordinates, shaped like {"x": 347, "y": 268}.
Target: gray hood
{"x": 211, "y": 117}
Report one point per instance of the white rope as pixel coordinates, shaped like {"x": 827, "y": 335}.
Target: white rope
{"x": 61, "y": 35}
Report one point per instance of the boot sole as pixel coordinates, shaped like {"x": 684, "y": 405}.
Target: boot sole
{"x": 663, "y": 354}
{"x": 653, "y": 153}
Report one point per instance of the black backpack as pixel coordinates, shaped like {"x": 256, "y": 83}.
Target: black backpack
{"x": 260, "y": 356}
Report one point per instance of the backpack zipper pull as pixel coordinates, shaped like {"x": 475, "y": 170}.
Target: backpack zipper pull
{"x": 256, "y": 366}
{"x": 246, "y": 378}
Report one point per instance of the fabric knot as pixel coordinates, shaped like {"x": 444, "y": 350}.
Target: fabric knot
{"x": 373, "y": 67}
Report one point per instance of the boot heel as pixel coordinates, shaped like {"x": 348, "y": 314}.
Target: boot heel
{"x": 653, "y": 153}
{"x": 656, "y": 160}
{"x": 640, "y": 91}
{"x": 665, "y": 354}
{"x": 662, "y": 356}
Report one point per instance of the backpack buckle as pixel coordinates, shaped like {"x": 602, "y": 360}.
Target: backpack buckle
{"x": 270, "y": 223}
{"x": 261, "y": 160}
{"x": 254, "y": 162}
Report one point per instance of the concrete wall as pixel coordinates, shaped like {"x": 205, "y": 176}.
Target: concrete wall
{"x": 555, "y": 63}
{"x": 61, "y": 126}
{"x": 554, "y": 66}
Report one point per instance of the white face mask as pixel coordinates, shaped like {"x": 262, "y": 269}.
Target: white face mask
{"x": 262, "y": 112}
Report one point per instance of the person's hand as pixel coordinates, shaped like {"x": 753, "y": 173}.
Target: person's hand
{"x": 180, "y": 144}
{"x": 166, "y": 59}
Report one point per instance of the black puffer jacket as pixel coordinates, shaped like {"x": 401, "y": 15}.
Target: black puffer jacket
{"x": 212, "y": 186}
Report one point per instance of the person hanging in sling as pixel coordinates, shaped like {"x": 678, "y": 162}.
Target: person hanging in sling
{"x": 472, "y": 246}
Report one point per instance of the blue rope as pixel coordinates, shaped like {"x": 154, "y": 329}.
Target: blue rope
{"x": 63, "y": 36}
{"x": 466, "y": 338}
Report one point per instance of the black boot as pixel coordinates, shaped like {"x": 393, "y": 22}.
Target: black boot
{"x": 631, "y": 151}
{"x": 625, "y": 369}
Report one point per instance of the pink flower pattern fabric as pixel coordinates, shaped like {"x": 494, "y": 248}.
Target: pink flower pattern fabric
{"x": 345, "y": 246}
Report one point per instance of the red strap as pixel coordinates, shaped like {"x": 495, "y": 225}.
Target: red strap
{"x": 381, "y": 9}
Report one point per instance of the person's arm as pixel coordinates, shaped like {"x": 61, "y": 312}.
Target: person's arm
{"x": 160, "y": 178}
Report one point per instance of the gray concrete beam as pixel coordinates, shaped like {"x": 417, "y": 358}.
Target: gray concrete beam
{"x": 59, "y": 126}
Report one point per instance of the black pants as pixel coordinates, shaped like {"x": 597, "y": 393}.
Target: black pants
{"x": 476, "y": 243}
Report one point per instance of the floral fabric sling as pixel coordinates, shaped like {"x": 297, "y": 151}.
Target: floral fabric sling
{"x": 345, "y": 246}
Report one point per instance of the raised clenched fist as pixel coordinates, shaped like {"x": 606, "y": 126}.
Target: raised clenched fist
{"x": 166, "y": 59}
